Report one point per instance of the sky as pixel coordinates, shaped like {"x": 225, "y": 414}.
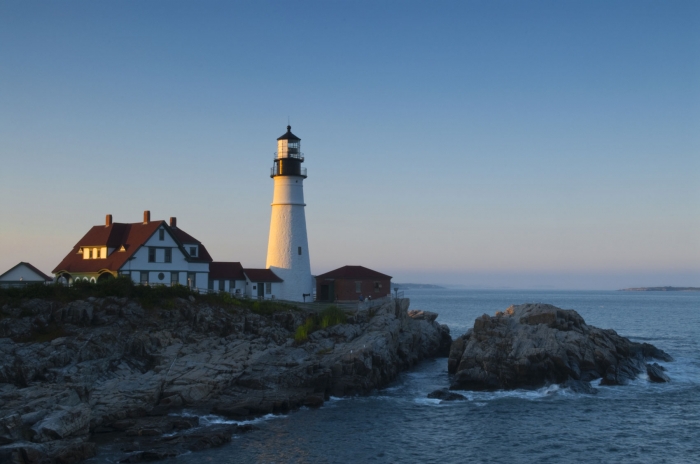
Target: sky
{"x": 490, "y": 144}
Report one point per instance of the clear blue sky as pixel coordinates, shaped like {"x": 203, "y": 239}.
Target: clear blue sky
{"x": 491, "y": 144}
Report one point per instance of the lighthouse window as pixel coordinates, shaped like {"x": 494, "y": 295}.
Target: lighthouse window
{"x": 300, "y": 251}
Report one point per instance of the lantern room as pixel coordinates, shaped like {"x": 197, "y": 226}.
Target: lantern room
{"x": 288, "y": 157}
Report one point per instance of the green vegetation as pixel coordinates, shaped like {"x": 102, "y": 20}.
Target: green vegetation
{"x": 160, "y": 296}
{"x": 330, "y": 316}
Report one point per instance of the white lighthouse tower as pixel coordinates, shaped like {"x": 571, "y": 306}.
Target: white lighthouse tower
{"x": 288, "y": 246}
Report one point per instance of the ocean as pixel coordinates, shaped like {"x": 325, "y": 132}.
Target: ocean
{"x": 637, "y": 423}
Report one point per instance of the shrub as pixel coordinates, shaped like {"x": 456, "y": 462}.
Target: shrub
{"x": 331, "y": 316}
{"x": 328, "y": 317}
{"x": 302, "y": 334}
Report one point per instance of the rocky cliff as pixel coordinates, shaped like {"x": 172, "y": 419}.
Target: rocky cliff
{"x": 531, "y": 345}
{"x": 71, "y": 372}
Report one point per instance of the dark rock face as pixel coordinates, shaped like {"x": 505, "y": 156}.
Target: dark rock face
{"x": 579, "y": 386}
{"x": 656, "y": 373}
{"x": 532, "y": 345}
{"x": 446, "y": 395}
{"x": 114, "y": 369}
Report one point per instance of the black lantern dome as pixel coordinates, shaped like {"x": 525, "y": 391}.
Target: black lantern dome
{"x": 288, "y": 157}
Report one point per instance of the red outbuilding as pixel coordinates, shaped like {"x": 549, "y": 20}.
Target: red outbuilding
{"x": 348, "y": 283}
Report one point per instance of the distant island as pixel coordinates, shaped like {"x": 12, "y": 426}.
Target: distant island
{"x": 661, "y": 289}
{"x": 405, "y": 286}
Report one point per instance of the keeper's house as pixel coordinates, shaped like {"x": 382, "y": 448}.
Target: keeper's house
{"x": 150, "y": 252}
{"x": 347, "y": 283}
{"x": 158, "y": 253}
{"x": 23, "y": 274}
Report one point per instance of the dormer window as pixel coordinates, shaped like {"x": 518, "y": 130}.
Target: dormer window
{"x": 193, "y": 251}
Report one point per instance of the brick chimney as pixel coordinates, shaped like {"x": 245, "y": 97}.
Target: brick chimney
{"x": 146, "y": 217}
{"x": 173, "y": 222}
{"x": 108, "y": 220}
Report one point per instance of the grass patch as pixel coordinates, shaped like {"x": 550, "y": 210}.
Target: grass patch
{"x": 328, "y": 317}
{"x": 149, "y": 297}
{"x": 121, "y": 287}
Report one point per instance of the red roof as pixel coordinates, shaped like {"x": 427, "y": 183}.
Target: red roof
{"x": 32, "y": 268}
{"x": 186, "y": 239}
{"x": 261, "y": 275}
{"x": 117, "y": 235}
{"x": 231, "y": 271}
{"x": 354, "y": 273}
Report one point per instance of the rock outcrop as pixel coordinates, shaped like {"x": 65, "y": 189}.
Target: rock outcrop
{"x": 69, "y": 372}
{"x": 532, "y": 345}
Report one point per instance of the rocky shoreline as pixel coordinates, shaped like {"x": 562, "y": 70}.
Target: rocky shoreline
{"x": 108, "y": 369}
{"x": 533, "y": 345}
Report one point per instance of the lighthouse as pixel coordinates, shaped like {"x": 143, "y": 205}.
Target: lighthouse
{"x": 288, "y": 246}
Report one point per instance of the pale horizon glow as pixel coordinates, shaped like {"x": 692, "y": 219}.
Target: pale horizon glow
{"x": 486, "y": 144}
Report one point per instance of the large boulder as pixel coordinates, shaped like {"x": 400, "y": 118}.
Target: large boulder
{"x": 532, "y": 345}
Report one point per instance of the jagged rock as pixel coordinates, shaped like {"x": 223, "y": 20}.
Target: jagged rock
{"x": 63, "y": 424}
{"x": 531, "y": 345}
{"x": 656, "y": 373}
{"x": 446, "y": 395}
{"x": 422, "y": 315}
{"x": 580, "y": 386}
{"x": 10, "y": 428}
{"x": 109, "y": 366}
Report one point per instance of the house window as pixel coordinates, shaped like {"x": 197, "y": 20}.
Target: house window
{"x": 168, "y": 255}
{"x": 191, "y": 279}
{"x": 222, "y": 285}
{"x": 231, "y": 285}
{"x": 90, "y": 253}
{"x": 299, "y": 251}
{"x": 174, "y": 278}
{"x": 151, "y": 255}
{"x": 377, "y": 286}
{"x": 144, "y": 278}
{"x": 161, "y": 234}
{"x": 98, "y": 253}
{"x": 358, "y": 287}
{"x": 211, "y": 284}
{"x": 268, "y": 287}
{"x": 193, "y": 251}
{"x": 161, "y": 276}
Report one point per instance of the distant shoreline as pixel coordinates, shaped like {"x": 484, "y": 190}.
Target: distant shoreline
{"x": 661, "y": 289}
{"x": 406, "y": 286}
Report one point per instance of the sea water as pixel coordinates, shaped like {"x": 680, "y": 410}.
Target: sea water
{"x": 637, "y": 423}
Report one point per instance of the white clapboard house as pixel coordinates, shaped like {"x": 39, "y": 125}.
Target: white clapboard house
{"x": 158, "y": 253}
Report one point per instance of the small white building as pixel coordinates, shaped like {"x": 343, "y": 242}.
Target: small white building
{"x": 227, "y": 277}
{"x": 23, "y": 274}
{"x": 262, "y": 284}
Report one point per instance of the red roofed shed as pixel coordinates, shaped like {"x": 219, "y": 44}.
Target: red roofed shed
{"x": 348, "y": 283}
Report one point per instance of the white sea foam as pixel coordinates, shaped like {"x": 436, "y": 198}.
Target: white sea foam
{"x": 213, "y": 419}
{"x": 426, "y": 401}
